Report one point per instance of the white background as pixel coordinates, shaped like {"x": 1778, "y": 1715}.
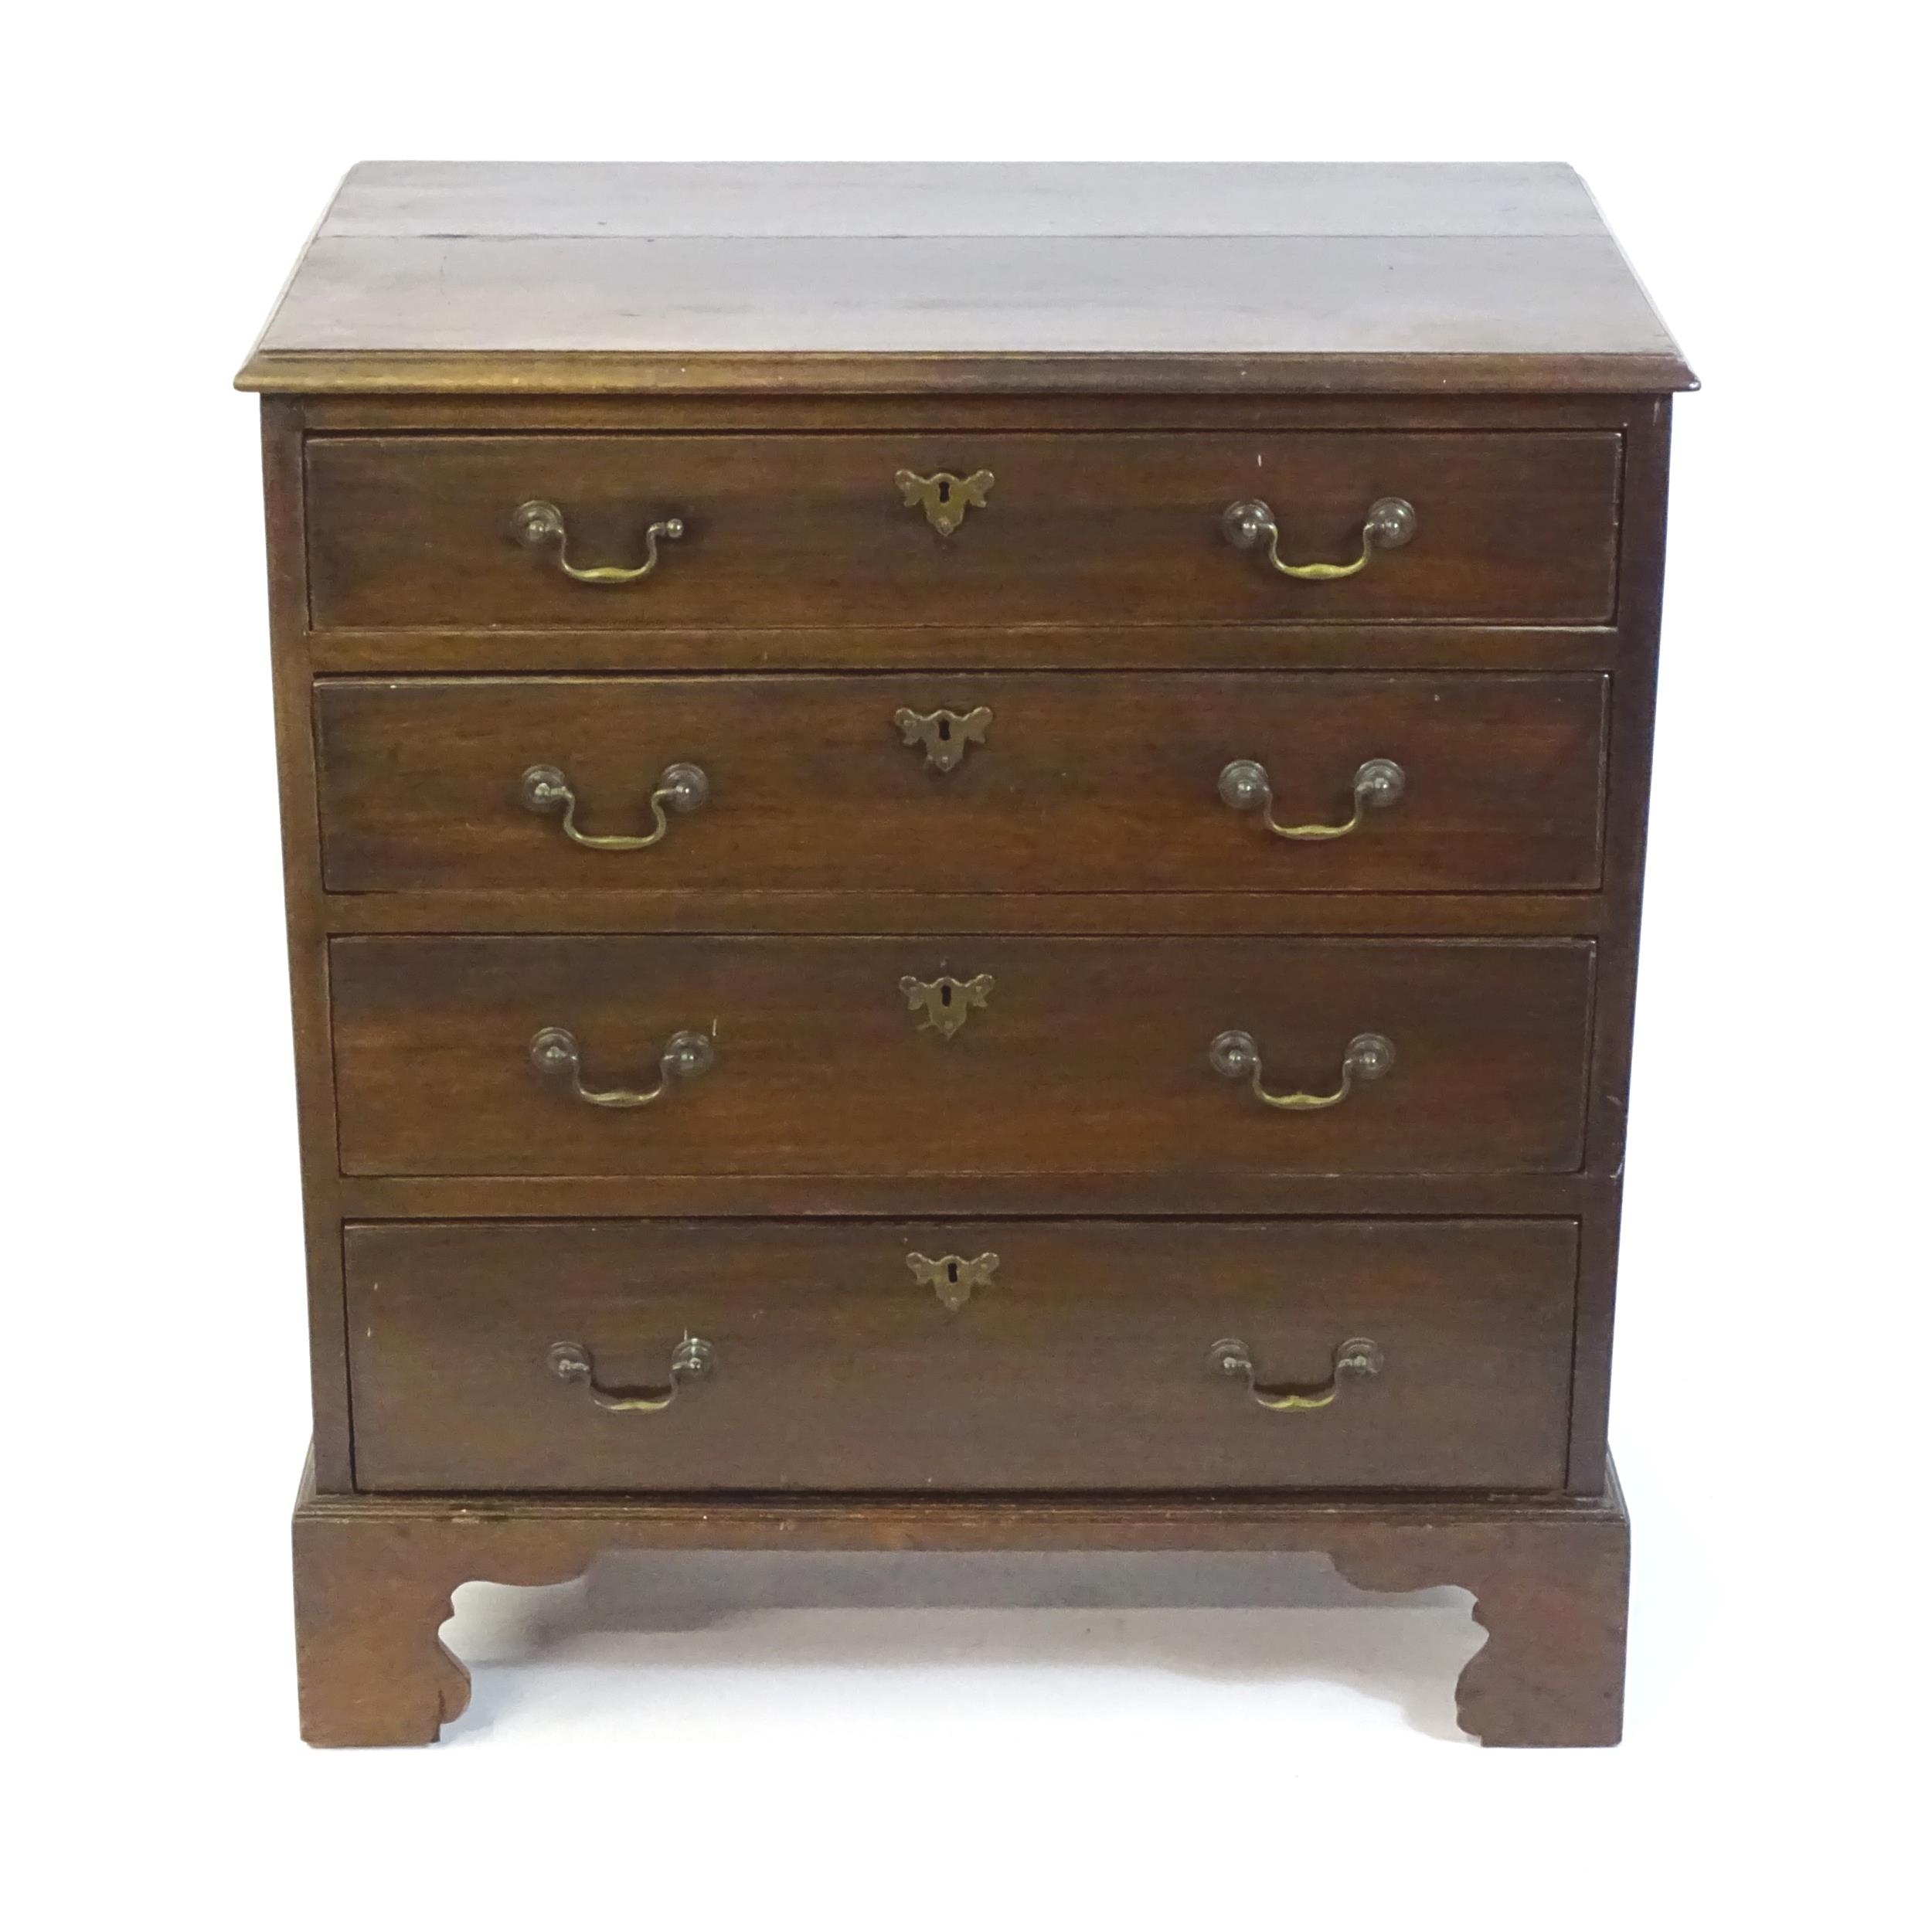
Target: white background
{"x": 1765, "y": 168}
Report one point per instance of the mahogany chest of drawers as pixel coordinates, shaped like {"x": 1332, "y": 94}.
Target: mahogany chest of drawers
{"x": 963, "y": 853}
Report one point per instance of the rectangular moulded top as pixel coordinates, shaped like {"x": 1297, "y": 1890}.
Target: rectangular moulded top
{"x": 1354, "y": 279}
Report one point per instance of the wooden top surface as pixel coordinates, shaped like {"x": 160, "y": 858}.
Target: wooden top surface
{"x": 591, "y": 278}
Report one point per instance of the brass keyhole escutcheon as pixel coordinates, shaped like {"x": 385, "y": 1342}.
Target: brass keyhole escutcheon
{"x": 944, "y": 496}
{"x": 945, "y": 734}
{"x": 946, "y": 1001}
{"x": 953, "y": 1278}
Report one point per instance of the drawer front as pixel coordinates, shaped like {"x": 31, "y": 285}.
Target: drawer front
{"x": 1076, "y": 528}
{"x": 996, "y": 782}
{"x": 1062, "y": 1356}
{"x": 830, "y": 1056}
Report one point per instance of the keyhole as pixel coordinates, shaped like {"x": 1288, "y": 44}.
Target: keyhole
{"x": 945, "y": 491}
{"x": 952, "y": 1270}
{"x": 945, "y": 996}
{"x": 945, "y": 730}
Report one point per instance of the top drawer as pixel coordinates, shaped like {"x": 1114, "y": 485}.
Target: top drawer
{"x": 1074, "y": 529}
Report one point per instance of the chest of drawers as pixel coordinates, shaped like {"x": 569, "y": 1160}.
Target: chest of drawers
{"x": 963, "y": 853}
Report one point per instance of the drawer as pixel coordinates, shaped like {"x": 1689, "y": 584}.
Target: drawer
{"x": 790, "y": 529}
{"x": 966, "y": 1056}
{"x": 996, "y": 782}
{"x": 1060, "y": 1356}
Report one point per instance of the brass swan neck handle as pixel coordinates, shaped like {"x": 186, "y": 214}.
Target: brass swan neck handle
{"x": 691, "y": 1360}
{"x": 681, "y": 788}
{"x": 1378, "y": 782}
{"x": 1234, "y": 1055}
{"x": 1249, "y": 523}
{"x": 539, "y": 523}
{"x": 556, "y": 1052}
{"x": 1357, "y": 1357}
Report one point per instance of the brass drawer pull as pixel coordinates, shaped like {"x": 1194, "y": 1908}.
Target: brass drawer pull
{"x": 538, "y": 522}
{"x": 944, "y": 496}
{"x": 693, "y": 1359}
{"x": 554, "y": 1052}
{"x": 1358, "y": 1357}
{"x": 1249, "y": 522}
{"x": 1234, "y": 1054}
{"x": 1244, "y": 786}
{"x": 683, "y": 788}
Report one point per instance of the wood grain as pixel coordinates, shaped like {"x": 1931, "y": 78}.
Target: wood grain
{"x": 1143, "y": 406}
{"x": 1080, "y": 784}
{"x": 374, "y": 1575}
{"x": 1083, "y": 1364}
{"x": 1123, "y": 1192}
{"x": 282, "y": 441}
{"x": 1078, "y": 528}
{"x": 1091, "y": 1055}
{"x": 419, "y": 199}
{"x": 1499, "y": 301}
{"x": 946, "y": 913}
{"x": 909, "y": 278}
{"x": 761, "y": 350}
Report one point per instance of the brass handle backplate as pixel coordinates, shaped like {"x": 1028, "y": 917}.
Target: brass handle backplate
{"x": 1244, "y": 786}
{"x": 1250, "y": 522}
{"x": 1357, "y": 1357}
{"x": 944, "y": 496}
{"x": 682, "y": 788}
{"x": 538, "y": 523}
{"x": 555, "y": 1052}
{"x": 1234, "y": 1055}
{"x": 692, "y": 1360}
